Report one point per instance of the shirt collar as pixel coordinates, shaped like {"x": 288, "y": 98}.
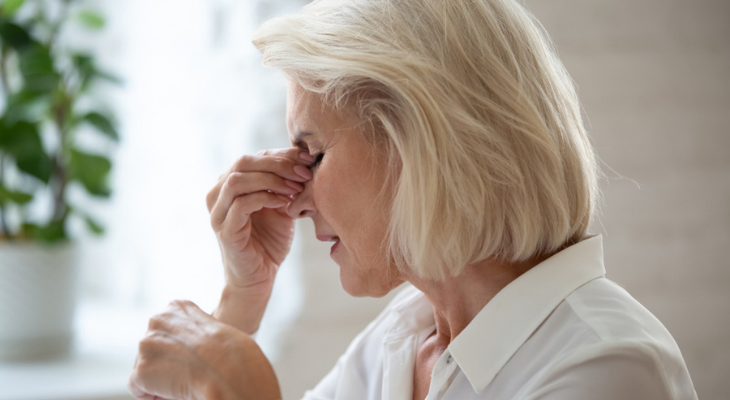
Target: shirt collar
{"x": 481, "y": 350}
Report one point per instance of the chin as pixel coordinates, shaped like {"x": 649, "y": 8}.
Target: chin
{"x": 357, "y": 286}
{"x": 353, "y": 286}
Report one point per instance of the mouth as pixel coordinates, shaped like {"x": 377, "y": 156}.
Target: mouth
{"x": 334, "y": 246}
{"x": 334, "y": 239}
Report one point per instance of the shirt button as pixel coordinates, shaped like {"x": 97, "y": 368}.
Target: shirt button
{"x": 449, "y": 359}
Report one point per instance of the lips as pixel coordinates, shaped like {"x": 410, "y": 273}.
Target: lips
{"x": 334, "y": 246}
{"x": 330, "y": 238}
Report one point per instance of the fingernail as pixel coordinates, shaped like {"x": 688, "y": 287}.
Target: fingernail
{"x": 285, "y": 198}
{"x": 306, "y": 157}
{"x": 303, "y": 172}
{"x": 294, "y": 185}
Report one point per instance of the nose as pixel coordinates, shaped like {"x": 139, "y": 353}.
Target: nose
{"x": 302, "y": 204}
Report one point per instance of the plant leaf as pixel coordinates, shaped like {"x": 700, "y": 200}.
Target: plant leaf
{"x": 91, "y": 19}
{"x": 92, "y": 171}
{"x": 28, "y": 106}
{"x": 55, "y": 231}
{"x": 109, "y": 77}
{"x": 23, "y": 142}
{"x": 14, "y": 35}
{"x": 9, "y": 7}
{"x": 39, "y": 74}
{"x": 84, "y": 64}
{"x": 16, "y": 197}
{"x": 102, "y": 123}
{"x": 29, "y": 230}
{"x": 94, "y": 226}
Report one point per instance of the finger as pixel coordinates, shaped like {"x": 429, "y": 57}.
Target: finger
{"x": 161, "y": 355}
{"x": 283, "y": 162}
{"x": 239, "y": 184}
{"x": 244, "y": 206}
{"x": 137, "y": 392}
{"x": 141, "y": 389}
{"x": 135, "y": 388}
{"x": 292, "y": 153}
{"x": 138, "y": 384}
{"x": 288, "y": 165}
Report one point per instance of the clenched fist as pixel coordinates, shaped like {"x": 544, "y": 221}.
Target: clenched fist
{"x": 189, "y": 355}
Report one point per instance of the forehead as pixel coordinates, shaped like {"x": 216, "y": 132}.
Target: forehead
{"x": 302, "y": 104}
{"x": 301, "y": 110}
{"x": 308, "y": 113}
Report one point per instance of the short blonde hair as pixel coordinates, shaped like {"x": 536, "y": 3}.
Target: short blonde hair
{"x": 481, "y": 119}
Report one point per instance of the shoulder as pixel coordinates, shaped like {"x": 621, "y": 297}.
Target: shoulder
{"x": 615, "y": 316}
{"x": 619, "y": 349}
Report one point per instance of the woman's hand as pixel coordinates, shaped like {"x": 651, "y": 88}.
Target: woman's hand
{"x": 189, "y": 355}
{"x": 248, "y": 214}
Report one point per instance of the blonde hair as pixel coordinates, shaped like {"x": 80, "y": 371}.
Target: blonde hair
{"x": 481, "y": 119}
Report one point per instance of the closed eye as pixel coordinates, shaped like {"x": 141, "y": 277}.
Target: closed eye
{"x": 317, "y": 159}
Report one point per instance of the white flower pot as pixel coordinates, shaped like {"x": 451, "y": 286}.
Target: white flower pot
{"x": 38, "y": 291}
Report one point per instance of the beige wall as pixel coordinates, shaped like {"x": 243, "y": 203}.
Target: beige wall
{"x": 654, "y": 78}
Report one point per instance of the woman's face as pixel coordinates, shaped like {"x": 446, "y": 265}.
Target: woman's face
{"x": 344, "y": 198}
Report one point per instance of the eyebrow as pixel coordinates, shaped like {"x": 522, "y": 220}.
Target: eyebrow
{"x": 299, "y": 139}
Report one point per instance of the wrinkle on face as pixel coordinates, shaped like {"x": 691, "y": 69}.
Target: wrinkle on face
{"x": 348, "y": 198}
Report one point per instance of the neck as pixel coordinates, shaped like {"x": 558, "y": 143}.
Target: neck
{"x": 457, "y": 300}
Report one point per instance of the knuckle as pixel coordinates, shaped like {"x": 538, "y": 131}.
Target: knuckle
{"x": 185, "y": 303}
{"x": 240, "y": 201}
{"x": 147, "y": 344}
{"x": 177, "y": 303}
{"x": 281, "y": 163}
{"x": 159, "y": 322}
{"x": 243, "y": 160}
{"x": 215, "y": 224}
{"x": 234, "y": 179}
{"x": 154, "y": 322}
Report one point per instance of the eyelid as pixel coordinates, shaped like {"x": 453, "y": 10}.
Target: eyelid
{"x": 317, "y": 159}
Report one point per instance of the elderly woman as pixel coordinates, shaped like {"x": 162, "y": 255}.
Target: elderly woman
{"x": 438, "y": 143}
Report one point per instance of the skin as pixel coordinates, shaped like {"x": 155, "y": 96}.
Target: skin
{"x": 188, "y": 354}
{"x": 342, "y": 200}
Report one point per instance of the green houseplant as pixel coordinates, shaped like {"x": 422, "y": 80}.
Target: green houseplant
{"x": 47, "y": 100}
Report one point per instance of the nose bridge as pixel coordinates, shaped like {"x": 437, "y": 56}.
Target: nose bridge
{"x": 302, "y": 204}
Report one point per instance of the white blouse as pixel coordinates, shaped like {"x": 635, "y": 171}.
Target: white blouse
{"x": 561, "y": 331}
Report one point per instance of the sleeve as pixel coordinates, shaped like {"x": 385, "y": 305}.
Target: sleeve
{"x": 627, "y": 372}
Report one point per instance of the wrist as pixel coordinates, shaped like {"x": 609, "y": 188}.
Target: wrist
{"x": 243, "y": 307}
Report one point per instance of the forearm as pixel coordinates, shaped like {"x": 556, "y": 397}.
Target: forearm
{"x": 243, "y": 308}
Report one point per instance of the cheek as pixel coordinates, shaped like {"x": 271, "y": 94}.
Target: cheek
{"x": 343, "y": 203}
{"x": 326, "y": 195}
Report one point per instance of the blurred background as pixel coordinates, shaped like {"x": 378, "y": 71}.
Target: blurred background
{"x": 654, "y": 80}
